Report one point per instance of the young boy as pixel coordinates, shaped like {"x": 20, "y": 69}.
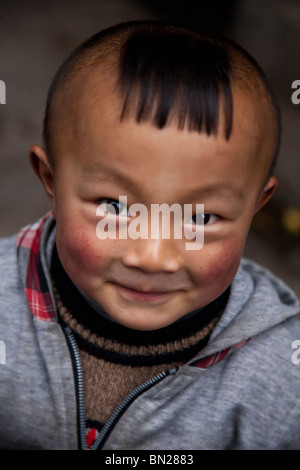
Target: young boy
{"x": 137, "y": 342}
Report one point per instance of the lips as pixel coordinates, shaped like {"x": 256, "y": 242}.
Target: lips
{"x": 142, "y": 294}
{"x": 145, "y": 290}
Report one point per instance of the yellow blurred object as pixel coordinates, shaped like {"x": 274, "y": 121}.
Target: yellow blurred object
{"x": 291, "y": 220}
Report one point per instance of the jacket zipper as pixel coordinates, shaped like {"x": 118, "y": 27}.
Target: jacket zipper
{"x": 119, "y": 410}
{"x": 79, "y": 388}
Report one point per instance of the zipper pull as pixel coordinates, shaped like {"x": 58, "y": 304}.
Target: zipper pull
{"x": 172, "y": 371}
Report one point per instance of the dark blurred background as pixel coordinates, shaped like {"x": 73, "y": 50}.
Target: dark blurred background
{"x": 36, "y": 36}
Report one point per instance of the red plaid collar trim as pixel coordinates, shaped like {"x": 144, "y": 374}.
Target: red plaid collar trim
{"x": 36, "y": 285}
{"x": 214, "y": 359}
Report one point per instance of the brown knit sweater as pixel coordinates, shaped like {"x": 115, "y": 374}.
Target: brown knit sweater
{"x": 115, "y": 359}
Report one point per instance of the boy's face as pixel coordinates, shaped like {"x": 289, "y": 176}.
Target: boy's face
{"x": 149, "y": 283}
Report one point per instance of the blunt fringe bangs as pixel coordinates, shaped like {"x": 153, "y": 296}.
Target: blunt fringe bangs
{"x": 165, "y": 75}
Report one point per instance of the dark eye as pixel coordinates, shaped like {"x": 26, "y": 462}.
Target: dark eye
{"x": 114, "y": 207}
{"x": 205, "y": 219}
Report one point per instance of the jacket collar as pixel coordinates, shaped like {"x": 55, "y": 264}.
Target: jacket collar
{"x": 33, "y": 267}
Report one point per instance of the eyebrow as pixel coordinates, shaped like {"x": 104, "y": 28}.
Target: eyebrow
{"x": 99, "y": 172}
{"x": 224, "y": 190}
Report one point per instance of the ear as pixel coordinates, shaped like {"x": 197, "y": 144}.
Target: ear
{"x": 267, "y": 192}
{"x": 39, "y": 162}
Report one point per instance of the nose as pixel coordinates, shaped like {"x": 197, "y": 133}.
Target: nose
{"x": 152, "y": 255}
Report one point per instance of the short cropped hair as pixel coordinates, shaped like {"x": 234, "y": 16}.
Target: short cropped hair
{"x": 164, "y": 71}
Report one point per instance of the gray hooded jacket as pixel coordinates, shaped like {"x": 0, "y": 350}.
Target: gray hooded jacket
{"x": 241, "y": 392}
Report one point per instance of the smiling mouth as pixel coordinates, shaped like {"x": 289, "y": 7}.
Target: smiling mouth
{"x": 143, "y": 295}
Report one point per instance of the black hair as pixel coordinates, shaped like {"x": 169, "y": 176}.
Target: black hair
{"x": 168, "y": 71}
{"x": 176, "y": 73}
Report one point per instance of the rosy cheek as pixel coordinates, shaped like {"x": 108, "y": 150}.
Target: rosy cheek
{"x": 86, "y": 252}
{"x": 219, "y": 263}
{"x": 80, "y": 249}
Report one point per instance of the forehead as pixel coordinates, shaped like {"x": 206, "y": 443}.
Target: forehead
{"x": 95, "y": 132}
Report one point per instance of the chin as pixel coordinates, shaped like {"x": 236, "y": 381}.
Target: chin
{"x": 143, "y": 324}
